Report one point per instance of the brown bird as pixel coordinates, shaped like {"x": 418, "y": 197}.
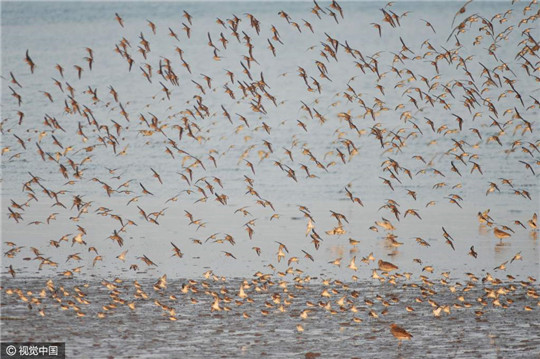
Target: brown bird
{"x": 119, "y": 19}
{"x": 156, "y": 175}
{"x": 152, "y": 26}
{"x": 11, "y": 271}
{"x": 60, "y": 70}
{"x": 500, "y": 233}
{"x": 122, "y": 256}
{"x": 517, "y": 257}
{"x": 145, "y": 191}
{"x": 29, "y": 61}
{"x": 187, "y": 16}
{"x": 177, "y": 252}
{"x": 146, "y": 260}
{"x": 386, "y": 266}
{"x": 400, "y": 333}
{"x": 428, "y": 24}
{"x": 79, "y": 70}
{"x": 13, "y": 80}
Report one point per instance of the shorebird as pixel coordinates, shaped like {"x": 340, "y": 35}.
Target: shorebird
{"x": 399, "y": 333}
{"x": 500, "y": 233}
{"x": 341, "y": 99}
{"x": 386, "y": 266}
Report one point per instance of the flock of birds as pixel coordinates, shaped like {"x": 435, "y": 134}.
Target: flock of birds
{"x": 491, "y": 108}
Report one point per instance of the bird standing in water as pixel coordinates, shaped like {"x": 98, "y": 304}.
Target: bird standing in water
{"x": 399, "y": 333}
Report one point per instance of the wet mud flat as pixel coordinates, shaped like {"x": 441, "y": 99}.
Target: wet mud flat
{"x": 275, "y": 317}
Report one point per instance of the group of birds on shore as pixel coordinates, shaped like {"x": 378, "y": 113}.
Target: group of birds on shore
{"x": 480, "y": 78}
{"x": 264, "y": 295}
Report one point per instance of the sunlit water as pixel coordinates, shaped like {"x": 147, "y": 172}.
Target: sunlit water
{"x": 359, "y": 327}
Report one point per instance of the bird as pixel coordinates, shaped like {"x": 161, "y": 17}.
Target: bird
{"x": 146, "y": 260}
{"x": 122, "y": 256}
{"x": 349, "y": 114}
{"x": 399, "y": 333}
{"x": 30, "y": 63}
{"x": 119, "y": 19}
{"x": 352, "y": 264}
{"x": 499, "y": 233}
{"x": 517, "y": 256}
{"x": 386, "y": 266}
{"x": 177, "y": 252}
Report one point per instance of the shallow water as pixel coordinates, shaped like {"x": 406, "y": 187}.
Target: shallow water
{"x": 58, "y": 33}
{"x": 147, "y": 331}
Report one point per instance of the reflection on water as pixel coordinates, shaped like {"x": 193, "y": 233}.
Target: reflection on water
{"x": 276, "y": 317}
